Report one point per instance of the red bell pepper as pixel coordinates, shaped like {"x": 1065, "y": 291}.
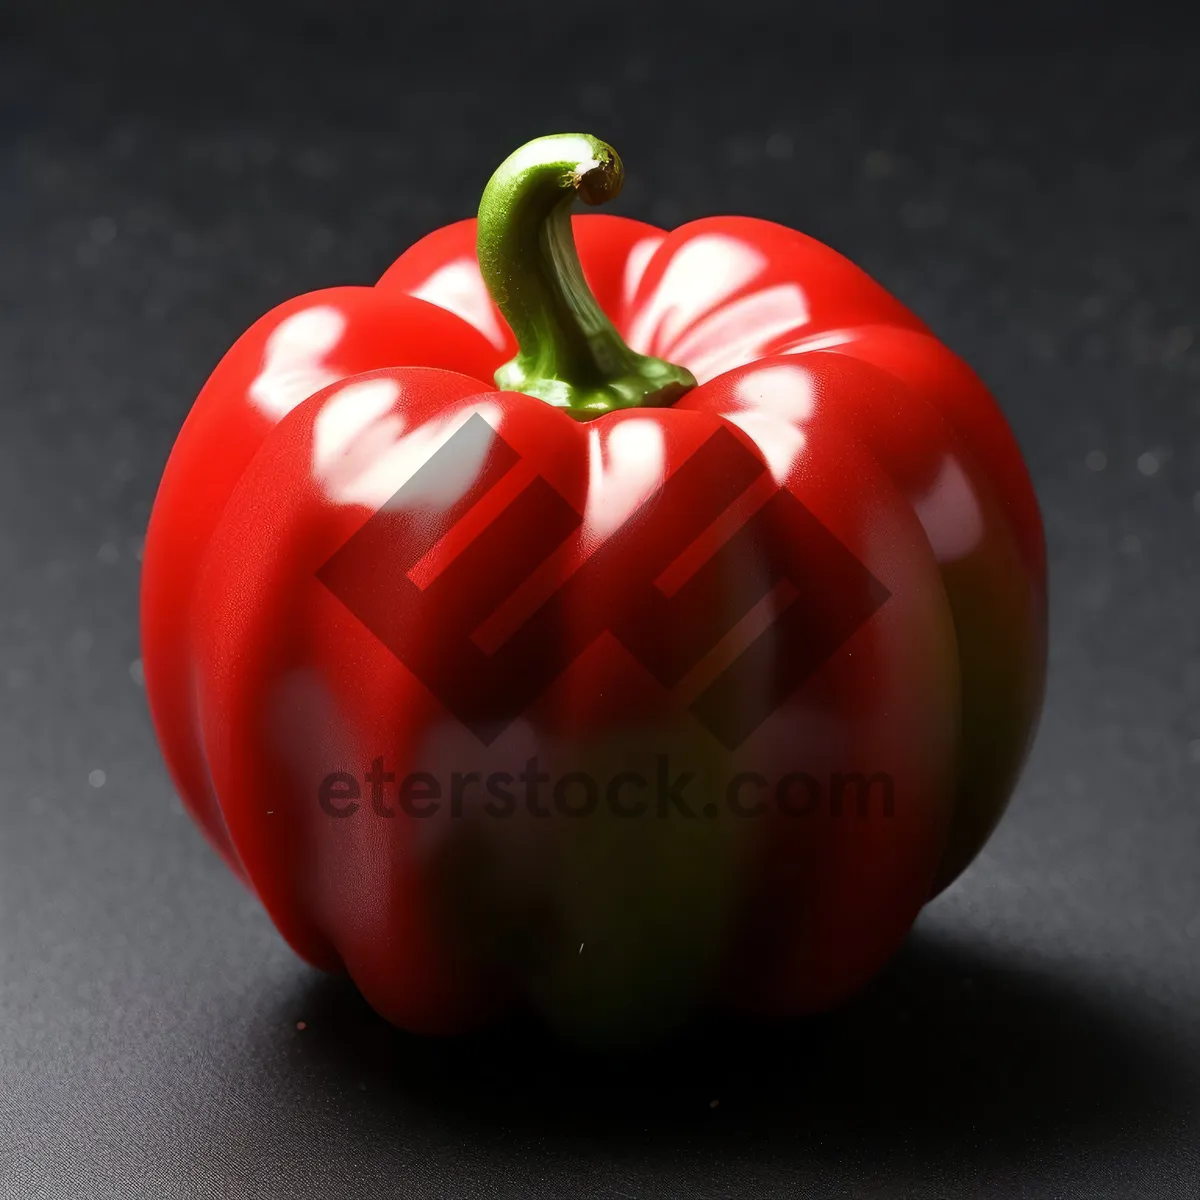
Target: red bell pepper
{"x": 679, "y": 666}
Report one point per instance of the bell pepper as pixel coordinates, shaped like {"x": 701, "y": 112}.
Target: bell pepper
{"x": 595, "y": 619}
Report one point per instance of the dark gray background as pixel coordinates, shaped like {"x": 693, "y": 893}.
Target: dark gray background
{"x": 1026, "y": 177}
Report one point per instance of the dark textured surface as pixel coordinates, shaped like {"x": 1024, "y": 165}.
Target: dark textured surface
{"x": 1029, "y": 184}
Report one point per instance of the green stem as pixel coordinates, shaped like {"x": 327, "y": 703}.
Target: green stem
{"x": 569, "y": 353}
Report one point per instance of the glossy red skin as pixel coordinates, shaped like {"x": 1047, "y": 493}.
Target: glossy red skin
{"x": 260, "y": 682}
